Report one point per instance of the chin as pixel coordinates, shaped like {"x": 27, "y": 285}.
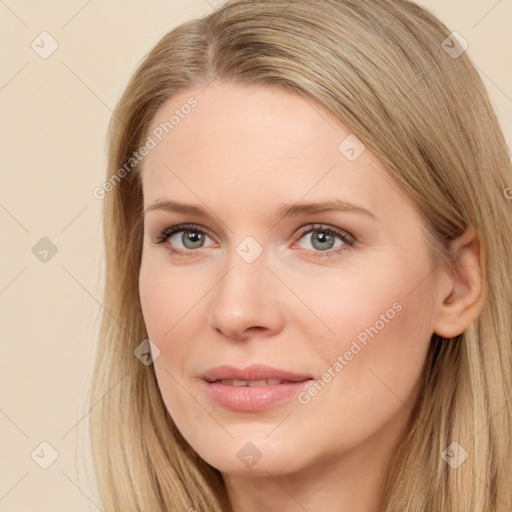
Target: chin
{"x": 255, "y": 455}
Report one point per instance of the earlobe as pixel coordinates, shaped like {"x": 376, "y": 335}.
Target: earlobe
{"x": 461, "y": 294}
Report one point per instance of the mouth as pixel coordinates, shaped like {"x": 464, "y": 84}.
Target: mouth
{"x": 252, "y": 383}
{"x": 255, "y": 373}
{"x": 253, "y": 388}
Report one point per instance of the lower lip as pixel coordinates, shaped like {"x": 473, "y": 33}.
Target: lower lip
{"x": 254, "y": 398}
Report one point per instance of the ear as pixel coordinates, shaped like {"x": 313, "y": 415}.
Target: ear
{"x": 460, "y": 296}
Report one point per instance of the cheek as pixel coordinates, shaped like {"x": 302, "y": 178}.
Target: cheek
{"x": 156, "y": 302}
{"x": 174, "y": 309}
{"x": 167, "y": 297}
{"x": 167, "y": 301}
{"x": 382, "y": 323}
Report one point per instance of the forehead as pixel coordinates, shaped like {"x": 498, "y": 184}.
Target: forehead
{"x": 251, "y": 145}
{"x": 267, "y": 120}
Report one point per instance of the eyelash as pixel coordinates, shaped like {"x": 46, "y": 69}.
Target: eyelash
{"x": 347, "y": 239}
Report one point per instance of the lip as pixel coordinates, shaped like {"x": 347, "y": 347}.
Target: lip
{"x": 255, "y": 397}
{"x": 253, "y": 372}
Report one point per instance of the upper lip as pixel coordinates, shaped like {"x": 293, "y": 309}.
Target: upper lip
{"x": 253, "y": 372}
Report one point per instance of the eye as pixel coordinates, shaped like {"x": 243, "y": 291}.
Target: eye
{"x": 189, "y": 235}
{"x": 322, "y": 239}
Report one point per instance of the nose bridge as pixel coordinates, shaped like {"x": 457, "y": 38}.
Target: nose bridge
{"x": 245, "y": 296}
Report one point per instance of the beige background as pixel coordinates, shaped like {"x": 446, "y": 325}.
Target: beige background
{"x": 53, "y": 124}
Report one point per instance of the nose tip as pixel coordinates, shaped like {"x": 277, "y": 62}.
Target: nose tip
{"x": 245, "y": 304}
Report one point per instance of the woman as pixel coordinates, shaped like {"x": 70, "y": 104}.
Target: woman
{"x": 307, "y": 235}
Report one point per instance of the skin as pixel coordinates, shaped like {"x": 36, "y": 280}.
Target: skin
{"x": 241, "y": 153}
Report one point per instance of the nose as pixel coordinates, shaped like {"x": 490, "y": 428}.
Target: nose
{"x": 246, "y": 301}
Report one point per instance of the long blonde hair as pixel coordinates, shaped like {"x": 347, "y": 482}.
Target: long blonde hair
{"x": 382, "y": 69}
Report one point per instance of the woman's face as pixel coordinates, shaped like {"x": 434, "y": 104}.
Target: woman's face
{"x": 289, "y": 335}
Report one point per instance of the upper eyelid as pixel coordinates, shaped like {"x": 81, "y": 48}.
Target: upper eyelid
{"x": 323, "y": 227}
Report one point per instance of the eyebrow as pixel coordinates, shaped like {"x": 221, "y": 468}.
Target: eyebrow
{"x": 284, "y": 210}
